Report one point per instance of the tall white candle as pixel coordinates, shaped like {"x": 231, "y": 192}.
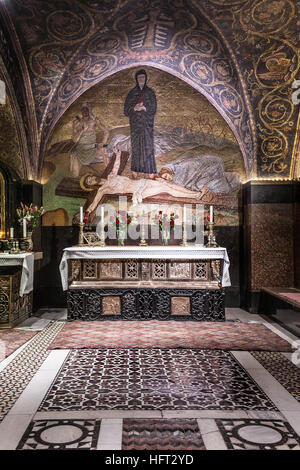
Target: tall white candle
{"x": 184, "y": 215}
{"x": 211, "y": 214}
{"x": 81, "y": 214}
{"x": 24, "y": 228}
{"x": 11, "y": 231}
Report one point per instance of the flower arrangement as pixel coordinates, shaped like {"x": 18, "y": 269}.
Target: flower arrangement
{"x": 122, "y": 219}
{"x": 164, "y": 222}
{"x": 31, "y": 213}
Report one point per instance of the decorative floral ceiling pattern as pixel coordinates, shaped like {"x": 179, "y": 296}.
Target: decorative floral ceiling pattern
{"x": 243, "y": 55}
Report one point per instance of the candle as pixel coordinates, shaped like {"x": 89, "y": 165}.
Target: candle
{"x": 11, "y": 231}
{"x": 211, "y": 214}
{"x": 184, "y": 215}
{"x": 24, "y": 228}
{"x": 81, "y": 214}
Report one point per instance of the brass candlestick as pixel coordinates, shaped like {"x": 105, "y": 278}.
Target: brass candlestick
{"x": 102, "y": 235}
{"x": 184, "y": 235}
{"x": 14, "y": 246}
{"x": 143, "y": 241}
{"x": 80, "y": 241}
{"x": 211, "y": 242}
{"x": 25, "y": 244}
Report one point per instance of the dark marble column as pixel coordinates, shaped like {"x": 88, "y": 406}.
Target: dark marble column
{"x": 297, "y": 233}
{"x": 268, "y": 238}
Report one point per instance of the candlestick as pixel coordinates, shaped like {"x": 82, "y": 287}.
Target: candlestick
{"x": 80, "y": 241}
{"x": 81, "y": 214}
{"x": 24, "y": 228}
{"x": 184, "y": 237}
{"x": 143, "y": 241}
{"x": 211, "y": 243}
{"x": 102, "y": 234}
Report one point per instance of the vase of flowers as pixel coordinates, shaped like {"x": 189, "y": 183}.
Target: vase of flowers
{"x": 122, "y": 220}
{"x": 165, "y": 224}
{"x": 29, "y": 214}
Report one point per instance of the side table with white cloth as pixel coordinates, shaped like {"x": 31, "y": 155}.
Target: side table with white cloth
{"x": 16, "y": 287}
{"x": 145, "y": 282}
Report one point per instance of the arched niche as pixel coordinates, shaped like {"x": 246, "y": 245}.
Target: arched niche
{"x": 181, "y": 109}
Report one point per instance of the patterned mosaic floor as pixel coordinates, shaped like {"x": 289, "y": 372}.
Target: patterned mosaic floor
{"x": 61, "y": 435}
{"x": 147, "y": 399}
{"x": 282, "y": 369}
{"x": 153, "y": 379}
{"x": 169, "y": 334}
{"x": 161, "y": 434}
{"x": 11, "y": 340}
{"x": 16, "y": 376}
{"x": 252, "y": 434}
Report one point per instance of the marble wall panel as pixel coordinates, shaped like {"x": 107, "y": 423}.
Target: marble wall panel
{"x": 297, "y": 243}
{"x": 270, "y": 249}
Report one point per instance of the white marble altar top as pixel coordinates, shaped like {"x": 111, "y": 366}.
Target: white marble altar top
{"x": 144, "y": 252}
{"x": 164, "y": 252}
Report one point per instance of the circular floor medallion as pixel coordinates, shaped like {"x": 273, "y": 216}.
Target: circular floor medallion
{"x": 260, "y": 434}
{"x": 61, "y": 433}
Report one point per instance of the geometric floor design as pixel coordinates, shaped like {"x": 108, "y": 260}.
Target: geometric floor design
{"x": 155, "y": 400}
{"x": 46, "y": 435}
{"x": 18, "y": 373}
{"x": 282, "y": 369}
{"x": 253, "y": 434}
{"x": 153, "y": 379}
{"x": 12, "y": 339}
{"x": 161, "y": 434}
{"x": 227, "y": 336}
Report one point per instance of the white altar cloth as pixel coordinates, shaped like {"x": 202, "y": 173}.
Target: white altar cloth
{"x": 26, "y": 260}
{"x": 144, "y": 252}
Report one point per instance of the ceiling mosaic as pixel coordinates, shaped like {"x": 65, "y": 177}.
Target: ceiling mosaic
{"x": 9, "y": 142}
{"x": 242, "y": 55}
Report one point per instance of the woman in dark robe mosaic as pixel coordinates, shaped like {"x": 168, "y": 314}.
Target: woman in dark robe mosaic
{"x": 140, "y": 107}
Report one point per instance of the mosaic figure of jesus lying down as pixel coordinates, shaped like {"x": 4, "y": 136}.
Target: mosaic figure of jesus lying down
{"x": 140, "y": 188}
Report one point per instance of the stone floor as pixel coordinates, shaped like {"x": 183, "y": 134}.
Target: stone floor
{"x": 137, "y": 399}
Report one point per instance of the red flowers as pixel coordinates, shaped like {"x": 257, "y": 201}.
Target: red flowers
{"x": 164, "y": 221}
{"x": 86, "y": 217}
{"x": 121, "y": 218}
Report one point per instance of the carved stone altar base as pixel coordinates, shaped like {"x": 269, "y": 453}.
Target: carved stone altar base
{"x": 145, "y": 289}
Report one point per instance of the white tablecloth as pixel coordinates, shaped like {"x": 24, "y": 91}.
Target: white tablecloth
{"x": 144, "y": 252}
{"x": 26, "y": 260}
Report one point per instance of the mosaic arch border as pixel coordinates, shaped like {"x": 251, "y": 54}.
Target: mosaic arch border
{"x": 295, "y": 165}
{"x": 197, "y": 53}
{"x": 177, "y": 74}
{"x": 26, "y": 161}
